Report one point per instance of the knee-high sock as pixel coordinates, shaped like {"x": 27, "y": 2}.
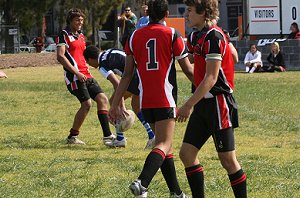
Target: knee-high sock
{"x": 195, "y": 178}
{"x": 238, "y": 184}
{"x": 169, "y": 173}
{"x": 146, "y": 125}
{"x": 103, "y": 119}
{"x": 152, "y": 163}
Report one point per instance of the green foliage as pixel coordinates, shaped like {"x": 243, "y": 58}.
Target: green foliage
{"x": 37, "y": 112}
{"x": 31, "y": 13}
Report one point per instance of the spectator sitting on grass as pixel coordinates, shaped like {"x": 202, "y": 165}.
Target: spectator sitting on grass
{"x": 275, "y": 59}
{"x": 253, "y": 60}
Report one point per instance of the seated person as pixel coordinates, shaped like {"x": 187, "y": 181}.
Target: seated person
{"x": 253, "y": 60}
{"x": 295, "y": 33}
{"x": 275, "y": 59}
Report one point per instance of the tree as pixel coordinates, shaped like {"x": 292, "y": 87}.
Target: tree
{"x": 96, "y": 13}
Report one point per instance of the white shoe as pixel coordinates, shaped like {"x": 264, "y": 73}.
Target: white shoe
{"x": 108, "y": 139}
{"x": 150, "y": 143}
{"x": 182, "y": 195}
{"x": 137, "y": 189}
{"x": 117, "y": 143}
{"x": 74, "y": 140}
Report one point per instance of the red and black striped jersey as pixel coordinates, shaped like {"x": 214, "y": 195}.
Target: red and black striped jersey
{"x": 75, "y": 45}
{"x": 212, "y": 44}
{"x": 155, "y": 48}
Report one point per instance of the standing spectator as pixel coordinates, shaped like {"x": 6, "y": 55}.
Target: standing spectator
{"x": 213, "y": 105}
{"x": 275, "y": 59}
{"x": 144, "y": 20}
{"x": 127, "y": 22}
{"x": 38, "y": 44}
{"x": 111, "y": 63}
{"x": 153, "y": 50}
{"x": 295, "y": 33}
{"x": 79, "y": 81}
{"x": 253, "y": 60}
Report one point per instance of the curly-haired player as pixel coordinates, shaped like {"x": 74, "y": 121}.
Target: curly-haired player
{"x": 215, "y": 110}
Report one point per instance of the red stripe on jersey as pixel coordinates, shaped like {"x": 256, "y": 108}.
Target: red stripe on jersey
{"x": 200, "y": 169}
{"x": 223, "y": 112}
{"x": 239, "y": 180}
{"x": 74, "y": 85}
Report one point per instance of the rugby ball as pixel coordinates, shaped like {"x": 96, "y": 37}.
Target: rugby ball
{"x": 124, "y": 125}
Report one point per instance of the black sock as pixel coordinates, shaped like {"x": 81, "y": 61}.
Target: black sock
{"x": 73, "y": 132}
{"x": 169, "y": 173}
{"x": 103, "y": 118}
{"x": 238, "y": 184}
{"x": 195, "y": 178}
{"x": 152, "y": 163}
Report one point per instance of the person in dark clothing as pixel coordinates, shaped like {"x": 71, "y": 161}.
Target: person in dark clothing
{"x": 295, "y": 34}
{"x": 275, "y": 59}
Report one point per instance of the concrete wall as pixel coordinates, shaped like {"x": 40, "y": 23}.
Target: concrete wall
{"x": 290, "y": 49}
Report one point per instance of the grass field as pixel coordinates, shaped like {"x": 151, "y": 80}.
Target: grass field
{"x": 37, "y": 112}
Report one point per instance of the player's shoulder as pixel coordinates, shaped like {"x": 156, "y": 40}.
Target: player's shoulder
{"x": 215, "y": 32}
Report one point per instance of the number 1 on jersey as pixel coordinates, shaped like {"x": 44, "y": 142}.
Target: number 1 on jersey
{"x": 152, "y": 63}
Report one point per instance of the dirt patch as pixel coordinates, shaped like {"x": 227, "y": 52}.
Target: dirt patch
{"x": 28, "y": 60}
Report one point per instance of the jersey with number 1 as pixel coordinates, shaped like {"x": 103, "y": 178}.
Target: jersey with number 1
{"x": 155, "y": 48}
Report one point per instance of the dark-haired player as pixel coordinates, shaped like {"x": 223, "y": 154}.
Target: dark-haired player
{"x": 153, "y": 49}
{"x": 215, "y": 110}
{"x": 79, "y": 81}
{"x": 110, "y": 64}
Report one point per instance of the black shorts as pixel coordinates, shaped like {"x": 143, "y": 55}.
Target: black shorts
{"x": 206, "y": 121}
{"x": 86, "y": 90}
{"x": 134, "y": 85}
{"x": 153, "y": 115}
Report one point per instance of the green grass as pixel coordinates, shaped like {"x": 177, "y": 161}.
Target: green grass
{"x": 37, "y": 112}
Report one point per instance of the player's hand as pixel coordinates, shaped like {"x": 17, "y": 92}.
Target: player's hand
{"x": 81, "y": 77}
{"x": 117, "y": 113}
{"x": 183, "y": 113}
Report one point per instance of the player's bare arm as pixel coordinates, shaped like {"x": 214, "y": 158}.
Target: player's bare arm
{"x": 117, "y": 109}
{"x": 211, "y": 76}
{"x": 187, "y": 68}
{"x": 191, "y": 58}
{"x": 66, "y": 64}
{"x": 113, "y": 79}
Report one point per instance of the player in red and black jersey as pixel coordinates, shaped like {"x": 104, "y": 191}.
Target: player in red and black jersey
{"x": 215, "y": 110}
{"x": 153, "y": 50}
{"x": 79, "y": 81}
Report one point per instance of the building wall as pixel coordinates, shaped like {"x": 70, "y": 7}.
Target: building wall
{"x": 290, "y": 48}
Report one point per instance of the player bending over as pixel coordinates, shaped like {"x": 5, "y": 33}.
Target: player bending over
{"x": 110, "y": 64}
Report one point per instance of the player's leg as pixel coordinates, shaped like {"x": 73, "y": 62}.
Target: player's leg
{"x": 102, "y": 108}
{"x": 80, "y": 91}
{"x": 194, "y": 138}
{"x": 164, "y": 125}
{"x": 224, "y": 142}
{"x": 135, "y": 103}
